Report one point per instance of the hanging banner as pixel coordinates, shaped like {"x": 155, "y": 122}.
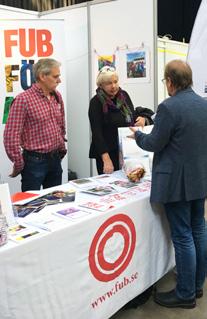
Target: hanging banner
{"x": 197, "y": 57}
{"x": 22, "y": 43}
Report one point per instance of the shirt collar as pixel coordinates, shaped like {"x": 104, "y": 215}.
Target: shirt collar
{"x": 38, "y": 90}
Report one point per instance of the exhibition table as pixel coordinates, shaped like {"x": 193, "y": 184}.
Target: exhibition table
{"x": 89, "y": 268}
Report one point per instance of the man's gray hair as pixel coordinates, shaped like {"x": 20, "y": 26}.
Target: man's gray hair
{"x": 44, "y": 66}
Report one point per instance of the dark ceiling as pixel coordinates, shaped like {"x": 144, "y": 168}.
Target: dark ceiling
{"x": 175, "y": 17}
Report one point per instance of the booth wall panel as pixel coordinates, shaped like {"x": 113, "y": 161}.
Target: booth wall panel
{"x": 101, "y": 26}
{"x": 168, "y": 50}
{"x": 77, "y": 87}
{"x": 116, "y": 24}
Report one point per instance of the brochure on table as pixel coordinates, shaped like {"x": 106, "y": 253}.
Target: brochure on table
{"x": 35, "y": 205}
{"x": 57, "y": 214}
{"x": 21, "y": 233}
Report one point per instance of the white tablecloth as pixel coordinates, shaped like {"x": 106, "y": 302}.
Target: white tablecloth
{"x": 89, "y": 269}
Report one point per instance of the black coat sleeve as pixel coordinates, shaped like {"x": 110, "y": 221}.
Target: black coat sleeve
{"x": 144, "y": 112}
{"x": 96, "y": 118}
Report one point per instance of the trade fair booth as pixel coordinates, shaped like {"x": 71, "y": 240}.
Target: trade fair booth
{"x": 88, "y": 257}
{"x": 81, "y": 36}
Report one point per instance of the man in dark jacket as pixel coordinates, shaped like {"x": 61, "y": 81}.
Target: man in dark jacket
{"x": 179, "y": 179}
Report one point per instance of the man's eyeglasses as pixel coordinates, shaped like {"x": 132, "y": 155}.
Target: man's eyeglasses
{"x": 163, "y": 81}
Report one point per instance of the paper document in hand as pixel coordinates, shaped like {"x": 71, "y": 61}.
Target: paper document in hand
{"x": 128, "y": 149}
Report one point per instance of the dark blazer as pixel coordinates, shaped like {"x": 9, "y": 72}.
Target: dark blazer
{"x": 179, "y": 142}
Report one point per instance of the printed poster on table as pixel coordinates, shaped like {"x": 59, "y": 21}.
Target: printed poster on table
{"x": 22, "y": 43}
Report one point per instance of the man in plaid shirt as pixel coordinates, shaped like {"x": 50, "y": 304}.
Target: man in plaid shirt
{"x": 34, "y": 136}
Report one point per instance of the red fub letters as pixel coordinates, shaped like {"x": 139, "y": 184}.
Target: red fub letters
{"x": 30, "y": 42}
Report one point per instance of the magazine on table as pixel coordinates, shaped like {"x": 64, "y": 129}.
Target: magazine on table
{"x": 100, "y": 190}
{"x": 45, "y": 221}
{"x": 83, "y": 183}
{"x": 21, "y": 233}
{"x": 104, "y": 178}
{"x": 123, "y": 184}
{"x": 52, "y": 198}
{"x": 71, "y": 213}
{"x": 96, "y": 205}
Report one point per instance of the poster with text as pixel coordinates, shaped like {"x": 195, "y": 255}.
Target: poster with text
{"x": 23, "y": 43}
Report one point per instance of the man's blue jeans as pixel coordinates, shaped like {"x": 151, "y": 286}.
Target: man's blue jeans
{"x": 39, "y": 171}
{"x": 187, "y": 225}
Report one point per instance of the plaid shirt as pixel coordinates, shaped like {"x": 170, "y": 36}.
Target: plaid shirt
{"x": 35, "y": 123}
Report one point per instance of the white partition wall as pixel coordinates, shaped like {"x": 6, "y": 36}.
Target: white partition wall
{"x": 102, "y": 26}
{"x": 117, "y": 28}
{"x": 75, "y": 34}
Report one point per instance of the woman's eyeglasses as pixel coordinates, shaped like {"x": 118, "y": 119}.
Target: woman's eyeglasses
{"x": 106, "y": 69}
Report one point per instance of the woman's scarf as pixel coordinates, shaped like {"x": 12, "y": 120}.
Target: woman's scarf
{"x": 120, "y": 104}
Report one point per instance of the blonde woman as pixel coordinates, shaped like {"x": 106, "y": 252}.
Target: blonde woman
{"x": 109, "y": 109}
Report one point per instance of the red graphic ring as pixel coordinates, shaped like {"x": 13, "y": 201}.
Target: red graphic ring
{"x": 103, "y": 264}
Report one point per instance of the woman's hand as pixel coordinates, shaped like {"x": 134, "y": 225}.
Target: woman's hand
{"x": 140, "y": 121}
{"x": 108, "y": 166}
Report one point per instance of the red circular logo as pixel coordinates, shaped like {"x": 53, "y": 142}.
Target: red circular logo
{"x": 118, "y": 225}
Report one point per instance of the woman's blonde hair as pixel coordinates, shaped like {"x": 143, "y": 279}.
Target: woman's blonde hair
{"x": 105, "y": 74}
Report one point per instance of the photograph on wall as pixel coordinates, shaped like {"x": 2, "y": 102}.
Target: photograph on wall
{"x": 99, "y": 61}
{"x": 106, "y": 60}
{"x": 136, "y": 64}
